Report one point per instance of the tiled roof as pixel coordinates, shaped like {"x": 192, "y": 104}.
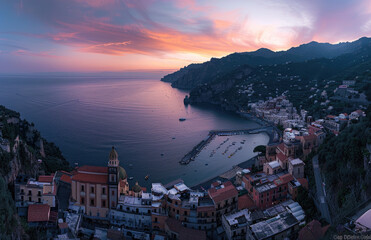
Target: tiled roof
{"x": 63, "y": 225}
{"x": 245, "y": 201}
{"x": 38, "y": 213}
{"x": 90, "y": 178}
{"x": 205, "y": 208}
{"x": 285, "y": 178}
{"x": 221, "y": 194}
{"x": 47, "y": 179}
{"x": 65, "y": 178}
{"x": 92, "y": 169}
{"x": 281, "y": 156}
{"x": 303, "y": 182}
{"x": 281, "y": 147}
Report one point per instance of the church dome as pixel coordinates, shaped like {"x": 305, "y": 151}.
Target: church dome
{"x": 122, "y": 173}
{"x": 113, "y": 154}
{"x": 136, "y": 188}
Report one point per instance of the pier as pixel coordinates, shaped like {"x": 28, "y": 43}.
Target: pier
{"x": 272, "y": 131}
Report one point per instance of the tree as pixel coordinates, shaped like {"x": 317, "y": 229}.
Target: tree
{"x": 260, "y": 149}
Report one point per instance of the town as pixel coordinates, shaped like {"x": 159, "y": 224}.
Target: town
{"x": 256, "y": 203}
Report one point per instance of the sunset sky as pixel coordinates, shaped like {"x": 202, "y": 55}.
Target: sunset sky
{"x": 121, "y": 35}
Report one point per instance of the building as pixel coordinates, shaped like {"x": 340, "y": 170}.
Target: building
{"x": 174, "y": 230}
{"x": 133, "y": 214}
{"x": 40, "y": 215}
{"x": 225, "y": 199}
{"x": 296, "y": 168}
{"x": 97, "y": 189}
{"x": 272, "y": 167}
{"x": 279, "y": 227}
{"x": 236, "y": 224}
{"x": 31, "y": 191}
{"x": 313, "y": 231}
{"x": 267, "y": 190}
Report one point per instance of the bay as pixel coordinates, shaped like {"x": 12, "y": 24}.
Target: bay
{"x": 86, "y": 116}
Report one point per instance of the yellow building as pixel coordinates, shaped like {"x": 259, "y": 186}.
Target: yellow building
{"x": 97, "y": 189}
{"x": 42, "y": 191}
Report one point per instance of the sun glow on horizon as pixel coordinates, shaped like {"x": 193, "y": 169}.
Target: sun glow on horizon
{"x": 114, "y": 35}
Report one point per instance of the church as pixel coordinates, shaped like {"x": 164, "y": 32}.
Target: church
{"x": 98, "y": 189}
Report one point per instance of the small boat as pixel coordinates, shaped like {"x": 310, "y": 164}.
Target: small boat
{"x": 131, "y": 178}
{"x": 182, "y": 119}
{"x": 162, "y": 154}
{"x": 146, "y": 177}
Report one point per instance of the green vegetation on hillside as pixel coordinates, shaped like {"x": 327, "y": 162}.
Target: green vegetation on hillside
{"x": 342, "y": 159}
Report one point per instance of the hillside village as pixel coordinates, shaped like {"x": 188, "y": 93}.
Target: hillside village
{"x": 269, "y": 201}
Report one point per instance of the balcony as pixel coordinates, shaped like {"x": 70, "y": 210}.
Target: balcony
{"x": 92, "y": 195}
{"x": 82, "y": 194}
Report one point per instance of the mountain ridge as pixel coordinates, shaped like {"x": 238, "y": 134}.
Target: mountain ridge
{"x": 197, "y": 74}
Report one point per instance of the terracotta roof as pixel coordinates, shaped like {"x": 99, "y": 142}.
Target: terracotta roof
{"x": 92, "y": 169}
{"x": 310, "y": 137}
{"x": 303, "y": 182}
{"x": 205, "y": 208}
{"x": 90, "y": 178}
{"x": 183, "y": 232}
{"x": 312, "y": 231}
{"x": 286, "y": 178}
{"x": 38, "y": 213}
{"x": 245, "y": 201}
{"x": 47, "y": 179}
{"x": 281, "y": 146}
{"x": 65, "y": 178}
{"x": 281, "y": 156}
{"x": 63, "y": 225}
{"x": 222, "y": 194}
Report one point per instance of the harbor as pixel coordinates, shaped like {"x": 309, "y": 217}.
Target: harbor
{"x": 226, "y": 143}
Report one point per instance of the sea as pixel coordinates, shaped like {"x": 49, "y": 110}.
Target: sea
{"x": 86, "y": 116}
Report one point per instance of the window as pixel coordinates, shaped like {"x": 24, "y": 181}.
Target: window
{"x": 113, "y": 193}
{"x": 185, "y": 213}
{"x": 82, "y": 188}
{"x": 91, "y": 202}
{"x": 39, "y": 200}
{"x": 29, "y": 192}
{"x": 39, "y": 193}
{"x": 149, "y": 211}
{"x": 22, "y": 198}
{"x": 103, "y": 203}
{"x": 92, "y": 189}
{"x": 30, "y": 199}
{"x": 177, "y": 211}
{"x": 104, "y": 191}
{"x": 82, "y": 200}
{"x": 155, "y": 219}
{"x": 22, "y": 191}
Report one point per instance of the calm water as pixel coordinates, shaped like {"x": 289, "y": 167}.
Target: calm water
{"x": 86, "y": 116}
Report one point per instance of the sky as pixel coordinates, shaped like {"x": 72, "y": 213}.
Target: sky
{"x": 146, "y": 35}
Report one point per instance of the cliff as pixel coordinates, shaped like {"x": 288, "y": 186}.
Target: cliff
{"x": 23, "y": 151}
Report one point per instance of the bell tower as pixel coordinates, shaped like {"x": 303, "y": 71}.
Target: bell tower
{"x": 113, "y": 178}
